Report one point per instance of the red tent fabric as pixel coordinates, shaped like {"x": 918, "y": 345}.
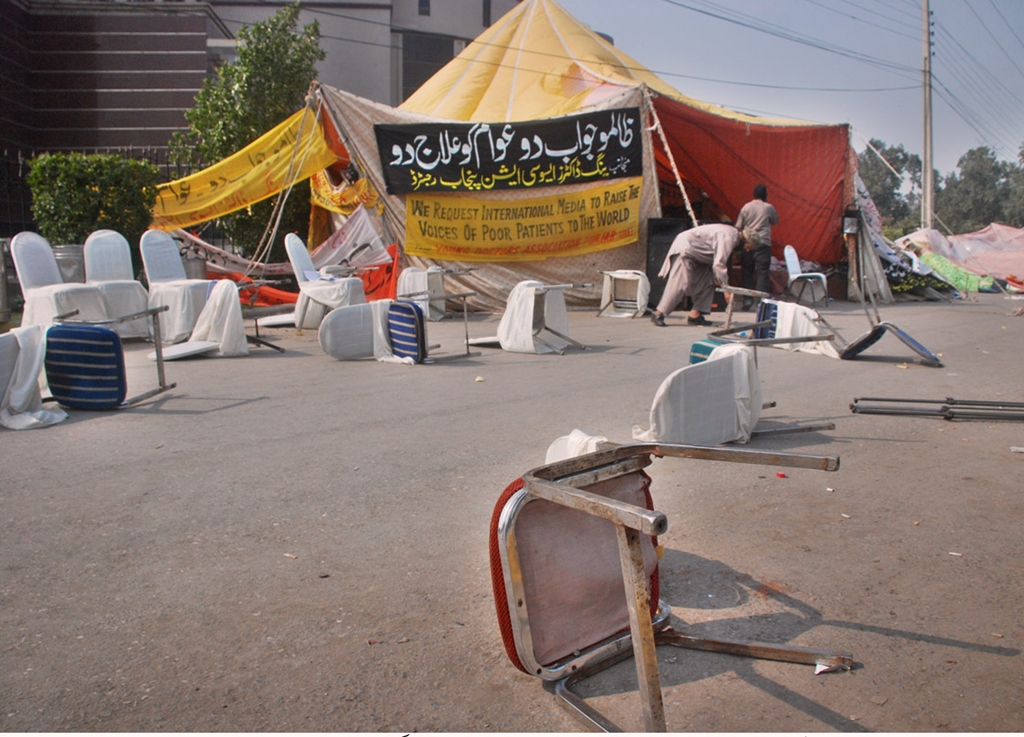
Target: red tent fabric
{"x": 807, "y": 169}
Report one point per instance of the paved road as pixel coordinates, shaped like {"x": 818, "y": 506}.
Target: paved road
{"x": 286, "y": 542}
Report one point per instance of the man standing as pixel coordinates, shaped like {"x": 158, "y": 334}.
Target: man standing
{"x": 696, "y": 262}
{"x": 759, "y": 216}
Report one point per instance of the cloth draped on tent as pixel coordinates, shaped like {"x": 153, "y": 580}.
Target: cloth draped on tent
{"x": 994, "y": 251}
{"x": 538, "y": 63}
{"x": 356, "y": 117}
{"x": 288, "y": 153}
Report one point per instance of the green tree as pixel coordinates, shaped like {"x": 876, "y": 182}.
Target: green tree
{"x": 896, "y": 194}
{"x": 74, "y": 194}
{"x": 977, "y": 194}
{"x": 269, "y": 81}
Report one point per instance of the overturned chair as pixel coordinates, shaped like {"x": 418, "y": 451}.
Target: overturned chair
{"x": 84, "y": 362}
{"x": 535, "y": 320}
{"x": 391, "y": 331}
{"x": 574, "y": 569}
{"x": 427, "y": 290}
{"x": 713, "y": 401}
{"x": 624, "y": 293}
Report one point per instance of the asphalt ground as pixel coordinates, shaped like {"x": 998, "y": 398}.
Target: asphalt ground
{"x": 285, "y": 542}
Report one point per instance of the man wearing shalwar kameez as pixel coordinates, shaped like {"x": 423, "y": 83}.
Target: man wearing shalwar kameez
{"x": 695, "y": 264}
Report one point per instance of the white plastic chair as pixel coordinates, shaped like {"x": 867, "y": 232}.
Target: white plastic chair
{"x": 624, "y": 293}
{"x": 798, "y": 277}
{"x": 168, "y": 285}
{"x": 425, "y": 288}
{"x": 46, "y": 295}
{"x": 320, "y": 287}
{"x": 108, "y": 266}
{"x": 535, "y": 310}
{"x": 708, "y": 403}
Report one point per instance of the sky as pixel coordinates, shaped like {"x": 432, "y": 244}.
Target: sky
{"x": 839, "y": 61}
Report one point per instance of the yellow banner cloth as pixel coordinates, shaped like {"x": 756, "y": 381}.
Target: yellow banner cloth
{"x": 569, "y": 224}
{"x": 286, "y": 154}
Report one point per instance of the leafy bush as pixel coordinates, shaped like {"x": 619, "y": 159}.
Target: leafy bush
{"x": 74, "y": 194}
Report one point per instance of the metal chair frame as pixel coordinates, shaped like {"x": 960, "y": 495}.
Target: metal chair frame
{"x": 151, "y": 313}
{"x": 566, "y": 483}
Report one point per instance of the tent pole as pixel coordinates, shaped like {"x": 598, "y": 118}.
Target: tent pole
{"x": 329, "y": 112}
{"x": 668, "y": 152}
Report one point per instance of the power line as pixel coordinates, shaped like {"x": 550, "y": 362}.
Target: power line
{"x": 762, "y": 26}
{"x": 862, "y": 20}
{"x": 914, "y": 16}
{"x": 1006, "y": 23}
{"x": 993, "y": 36}
{"x": 563, "y": 57}
{"x": 981, "y": 84}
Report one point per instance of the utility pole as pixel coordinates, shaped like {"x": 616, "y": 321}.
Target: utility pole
{"x": 927, "y": 168}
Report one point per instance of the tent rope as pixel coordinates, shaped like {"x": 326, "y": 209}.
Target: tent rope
{"x": 263, "y": 251}
{"x": 648, "y": 104}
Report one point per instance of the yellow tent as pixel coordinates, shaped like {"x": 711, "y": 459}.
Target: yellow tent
{"x": 539, "y": 65}
{"x": 538, "y": 61}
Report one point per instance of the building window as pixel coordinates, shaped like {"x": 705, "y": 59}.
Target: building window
{"x": 422, "y": 56}
{"x": 424, "y": 7}
{"x": 487, "y": 13}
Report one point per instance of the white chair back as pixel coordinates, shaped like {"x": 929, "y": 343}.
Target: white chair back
{"x": 108, "y": 257}
{"x": 34, "y": 261}
{"x": 160, "y": 257}
{"x": 298, "y": 256}
{"x": 792, "y": 262}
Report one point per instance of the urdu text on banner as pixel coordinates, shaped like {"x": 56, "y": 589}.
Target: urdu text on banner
{"x": 288, "y": 153}
{"x": 472, "y": 157}
{"x": 472, "y": 229}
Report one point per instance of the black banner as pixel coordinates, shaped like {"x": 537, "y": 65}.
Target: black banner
{"x": 469, "y": 157}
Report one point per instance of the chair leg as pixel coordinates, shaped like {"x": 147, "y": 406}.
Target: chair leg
{"x": 301, "y": 317}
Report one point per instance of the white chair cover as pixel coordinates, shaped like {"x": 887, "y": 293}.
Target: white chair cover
{"x": 515, "y": 331}
{"x": 334, "y": 292}
{"x": 22, "y": 351}
{"x": 708, "y": 403}
{"x": 319, "y": 288}
{"x": 169, "y": 286}
{"x": 108, "y": 266}
{"x": 46, "y": 295}
{"x": 796, "y": 321}
{"x": 220, "y": 321}
{"x": 576, "y": 443}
